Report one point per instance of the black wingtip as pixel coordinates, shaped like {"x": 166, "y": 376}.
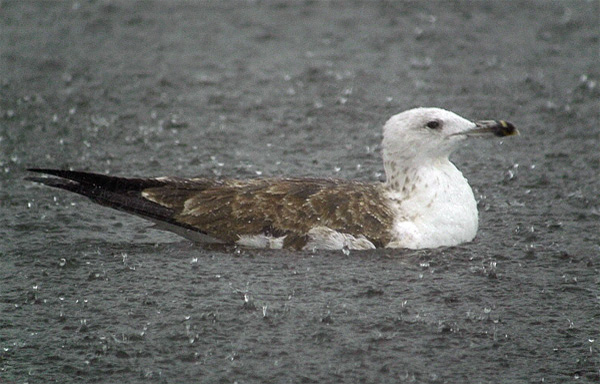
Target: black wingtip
{"x": 94, "y": 180}
{"x": 84, "y": 178}
{"x": 51, "y": 181}
{"x": 55, "y": 182}
{"x": 66, "y": 174}
{"x": 39, "y": 170}
{"x": 45, "y": 170}
{"x": 120, "y": 193}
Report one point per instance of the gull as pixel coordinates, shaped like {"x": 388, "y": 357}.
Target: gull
{"x": 424, "y": 202}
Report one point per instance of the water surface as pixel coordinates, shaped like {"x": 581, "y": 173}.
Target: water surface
{"x": 269, "y": 89}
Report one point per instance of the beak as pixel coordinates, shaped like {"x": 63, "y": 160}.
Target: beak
{"x": 499, "y": 128}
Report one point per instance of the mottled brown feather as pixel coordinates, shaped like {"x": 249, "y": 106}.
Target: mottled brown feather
{"x": 228, "y": 209}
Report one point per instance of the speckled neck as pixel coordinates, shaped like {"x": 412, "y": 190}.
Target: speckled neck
{"x": 404, "y": 177}
{"x": 400, "y": 178}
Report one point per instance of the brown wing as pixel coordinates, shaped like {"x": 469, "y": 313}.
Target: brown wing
{"x": 228, "y": 209}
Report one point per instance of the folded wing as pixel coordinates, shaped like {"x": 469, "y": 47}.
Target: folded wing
{"x": 225, "y": 210}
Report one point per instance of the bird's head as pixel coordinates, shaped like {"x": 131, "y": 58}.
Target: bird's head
{"x": 434, "y": 133}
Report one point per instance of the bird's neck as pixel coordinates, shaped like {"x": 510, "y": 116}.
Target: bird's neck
{"x": 404, "y": 177}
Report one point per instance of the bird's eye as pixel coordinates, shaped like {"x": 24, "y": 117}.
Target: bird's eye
{"x": 433, "y": 124}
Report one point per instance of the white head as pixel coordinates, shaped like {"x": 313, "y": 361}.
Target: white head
{"x": 423, "y": 134}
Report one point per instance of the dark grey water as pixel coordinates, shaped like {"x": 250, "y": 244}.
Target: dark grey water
{"x": 301, "y": 88}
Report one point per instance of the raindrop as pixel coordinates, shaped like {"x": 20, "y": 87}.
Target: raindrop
{"x": 421, "y": 63}
{"x": 551, "y": 106}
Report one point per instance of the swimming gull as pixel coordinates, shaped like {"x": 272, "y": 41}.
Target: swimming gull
{"x": 425, "y": 202}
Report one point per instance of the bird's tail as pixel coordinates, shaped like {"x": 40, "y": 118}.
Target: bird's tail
{"x": 124, "y": 194}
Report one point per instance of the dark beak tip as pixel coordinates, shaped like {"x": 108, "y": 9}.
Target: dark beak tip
{"x": 505, "y": 128}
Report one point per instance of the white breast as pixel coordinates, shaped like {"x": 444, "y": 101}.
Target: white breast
{"x": 437, "y": 209}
